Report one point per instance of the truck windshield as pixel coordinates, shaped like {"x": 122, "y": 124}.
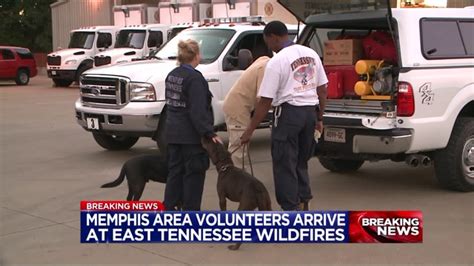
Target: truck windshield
{"x": 84, "y": 40}
{"x": 131, "y": 39}
{"x": 211, "y": 43}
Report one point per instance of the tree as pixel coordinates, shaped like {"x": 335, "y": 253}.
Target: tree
{"x": 26, "y": 23}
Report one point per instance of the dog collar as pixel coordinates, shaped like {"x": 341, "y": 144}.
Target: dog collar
{"x": 224, "y": 167}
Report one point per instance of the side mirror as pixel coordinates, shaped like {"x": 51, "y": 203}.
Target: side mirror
{"x": 245, "y": 59}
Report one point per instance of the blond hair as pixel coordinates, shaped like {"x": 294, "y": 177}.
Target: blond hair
{"x": 187, "y": 51}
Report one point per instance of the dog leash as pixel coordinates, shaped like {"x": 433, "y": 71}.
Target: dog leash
{"x": 238, "y": 147}
{"x": 244, "y": 146}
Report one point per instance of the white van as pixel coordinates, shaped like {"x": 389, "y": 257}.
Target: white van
{"x": 133, "y": 41}
{"x": 66, "y": 65}
{"x": 408, "y": 96}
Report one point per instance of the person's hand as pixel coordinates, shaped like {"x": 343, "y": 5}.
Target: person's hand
{"x": 245, "y": 138}
{"x": 319, "y": 126}
{"x": 216, "y": 140}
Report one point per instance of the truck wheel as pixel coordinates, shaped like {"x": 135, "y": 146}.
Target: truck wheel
{"x": 22, "y": 77}
{"x": 159, "y": 136}
{"x": 62, "y": 82}
{"x": 340, "y": 165}
{"x": 114, "y": 143}
{"x": 454, "y": 165}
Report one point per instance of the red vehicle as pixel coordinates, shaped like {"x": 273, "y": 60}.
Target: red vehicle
{"x": 17, "y": 63}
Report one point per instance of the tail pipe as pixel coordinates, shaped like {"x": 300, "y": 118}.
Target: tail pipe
{"x": 412, "y": 160}
{"x": 417, "y": 160}
{"x": 425, "y": 161}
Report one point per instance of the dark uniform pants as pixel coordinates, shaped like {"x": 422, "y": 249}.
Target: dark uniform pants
{"x": 187, "y": 165}
{"x": 292, "y": 146}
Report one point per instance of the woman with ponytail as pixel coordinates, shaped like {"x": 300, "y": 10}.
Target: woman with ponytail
{"x": 189, "y": 118}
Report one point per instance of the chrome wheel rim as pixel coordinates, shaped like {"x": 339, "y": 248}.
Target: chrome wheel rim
{"x": 468, "y": 158}
{"x": 23, "y": 77}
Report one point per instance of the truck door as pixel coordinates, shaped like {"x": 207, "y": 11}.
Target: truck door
{"x": 2, "y": 65}
{"x": 8, "y": 64}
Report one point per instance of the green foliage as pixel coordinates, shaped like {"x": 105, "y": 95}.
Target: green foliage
{"x": 26, "y": 23}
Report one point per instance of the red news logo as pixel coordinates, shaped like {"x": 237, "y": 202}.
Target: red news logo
{"x": 393, "y": 226}
{"x": 121, "y": 205}
{"x": 386, "y": 227}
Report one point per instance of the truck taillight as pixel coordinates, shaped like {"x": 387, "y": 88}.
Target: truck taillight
{"x": 405, "y": 99}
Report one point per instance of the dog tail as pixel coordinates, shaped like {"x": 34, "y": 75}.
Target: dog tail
{"x": 117, "y": 181}
{"x": 263, "y": 199}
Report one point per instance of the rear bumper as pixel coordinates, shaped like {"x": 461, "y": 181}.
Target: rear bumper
{"x": 392, "y": 142}
{"x": 62, "y": 74}
{"x": 360, "y": 142}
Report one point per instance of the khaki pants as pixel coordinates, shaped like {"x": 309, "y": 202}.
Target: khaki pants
{"x": 235, "y": 130}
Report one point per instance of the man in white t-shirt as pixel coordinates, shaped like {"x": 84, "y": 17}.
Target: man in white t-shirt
{"x": 294, "y": 83}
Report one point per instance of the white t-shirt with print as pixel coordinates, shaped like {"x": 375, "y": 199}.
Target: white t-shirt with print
{"x": 292, "y": 76}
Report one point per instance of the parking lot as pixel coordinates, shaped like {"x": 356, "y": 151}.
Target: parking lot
{"x": 49, "y": 164}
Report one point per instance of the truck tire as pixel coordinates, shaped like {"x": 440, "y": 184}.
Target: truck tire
{"x": 62, "y": 82}
{"x": 114, "y": 143}
{"x": 81, "y": 70}
{"x": 454, "y": 165}
{"x": 340, "y": 165}
{"x": 159, "y": 136}
{"x": 22, "y": 77}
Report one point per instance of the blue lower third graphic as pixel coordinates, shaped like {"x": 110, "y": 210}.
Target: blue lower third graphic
{"x": 256, "y": 227}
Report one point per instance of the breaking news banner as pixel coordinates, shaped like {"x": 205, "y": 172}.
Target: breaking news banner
{"x": 147, "y": 222}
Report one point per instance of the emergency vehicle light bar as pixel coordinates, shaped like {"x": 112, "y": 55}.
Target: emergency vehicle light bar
{"x": 248, "y": 19}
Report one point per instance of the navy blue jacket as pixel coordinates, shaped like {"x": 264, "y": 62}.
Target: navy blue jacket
{"x": 188, "y": 101}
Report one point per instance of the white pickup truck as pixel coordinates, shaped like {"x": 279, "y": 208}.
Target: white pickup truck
{"x": 120, "y": 103}
{"x": 419, "y": 108}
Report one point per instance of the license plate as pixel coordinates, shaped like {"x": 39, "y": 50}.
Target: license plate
{"x": 53, "y": 73}
{"x": 92, "y": 123}
{"x": 335, "y": 135}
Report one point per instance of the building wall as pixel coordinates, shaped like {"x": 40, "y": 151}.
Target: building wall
{"x": 272, "y": 10}
{"x": 460, "y": 3}
{"x": 269, "y": 9}
{"x": 68, "y": 15}
{"x": 153, "y": 3}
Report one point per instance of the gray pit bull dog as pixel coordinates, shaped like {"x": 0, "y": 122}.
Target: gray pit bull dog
{"x": 139, "y": 170}
{"x": 235, "y": 184}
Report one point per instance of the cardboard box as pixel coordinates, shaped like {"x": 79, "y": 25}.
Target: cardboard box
{"x": 342, "y": 52}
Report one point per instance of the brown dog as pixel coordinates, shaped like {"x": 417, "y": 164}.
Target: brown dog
{"x": 235, "y": 184}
